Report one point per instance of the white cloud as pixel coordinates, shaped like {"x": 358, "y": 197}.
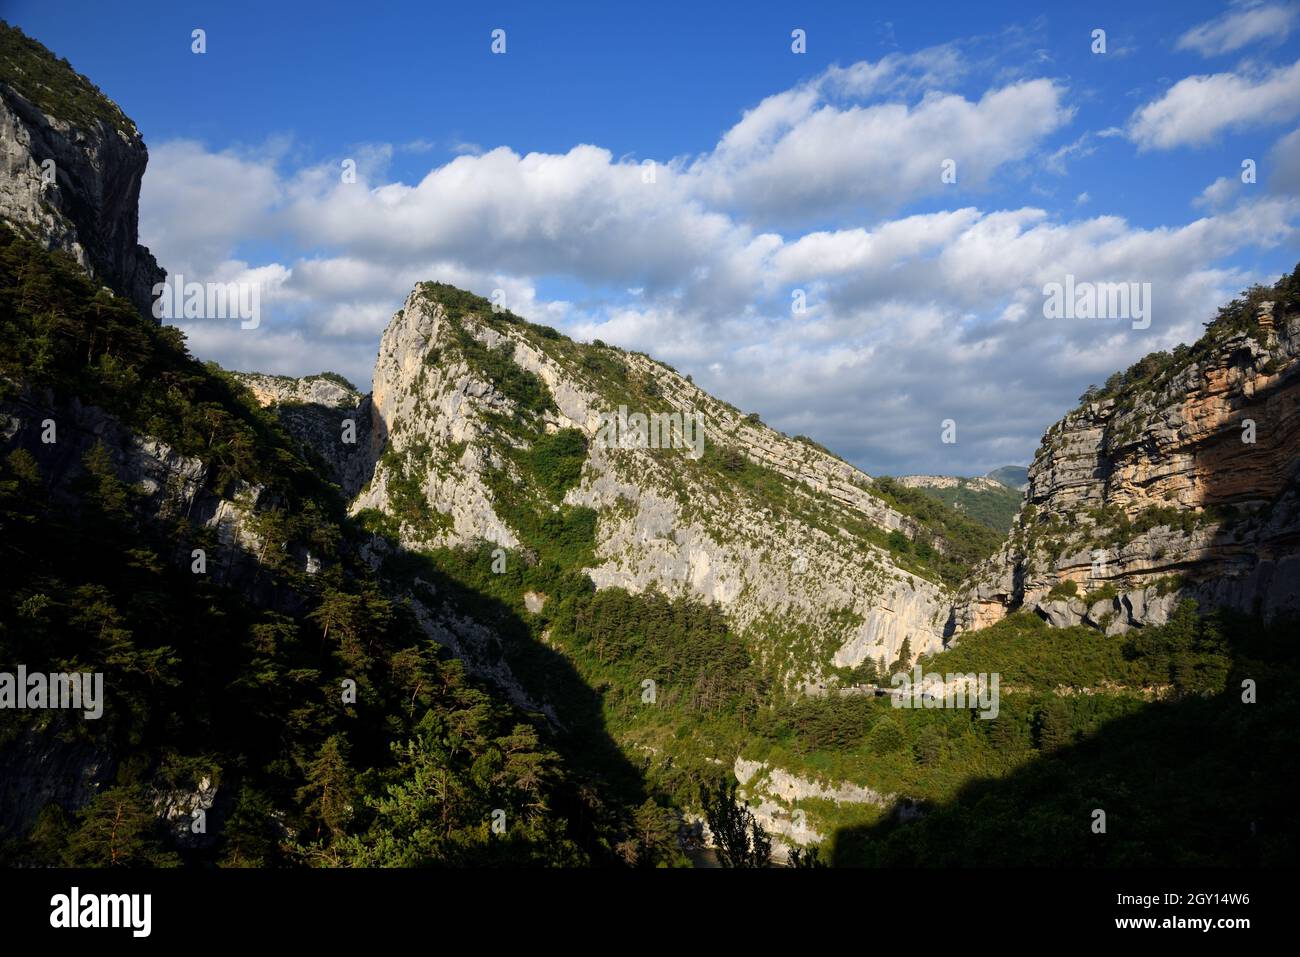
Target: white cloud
{"x": 1219, "y": 193}
{"x": 1198, "y": 108}
{"x": 1079, "y": 148}
{"x": 798, "y": 155}
{"x": 195, "y": 204}
{"x": 1244, "y": 24}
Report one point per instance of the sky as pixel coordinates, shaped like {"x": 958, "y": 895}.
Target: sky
{"x": 852, "y": 241}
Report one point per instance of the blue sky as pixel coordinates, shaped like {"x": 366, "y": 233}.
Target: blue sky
{"x": 775, "y": 171}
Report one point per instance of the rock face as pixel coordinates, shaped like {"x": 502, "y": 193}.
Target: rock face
{"x": 328, "y": 416}
{"x": 70, "y": 168}
{"x": 1182, "y": 480}
{"x": 330, "y": 391}
{"x": 789, "y": 554}
{"x": 43, "y": 767}
{"x": 774, "y": 795}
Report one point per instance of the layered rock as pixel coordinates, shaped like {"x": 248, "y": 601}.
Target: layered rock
{"x": 70, "y": 168}
{"x": 1183, "y": 481}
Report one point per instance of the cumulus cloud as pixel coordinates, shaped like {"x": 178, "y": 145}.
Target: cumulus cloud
{"x": 1220, "y": 193}
{"x": 799, "y": 154}
{"x": 197, "y": 203}
{"x": 1196, "y": 109}
{"x": 1244, "y": 24}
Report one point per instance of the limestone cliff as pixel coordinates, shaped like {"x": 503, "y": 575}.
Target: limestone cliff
{"x": 1179, "y": 479}
{"x": 70, "y": 167}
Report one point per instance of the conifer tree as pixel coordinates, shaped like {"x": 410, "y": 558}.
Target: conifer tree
{"x": 118, "y": 829}
{"x": 329, "y": 792}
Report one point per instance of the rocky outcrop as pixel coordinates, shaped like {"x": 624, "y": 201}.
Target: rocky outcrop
{"x": 48, "y": 764}
{"x": 165, "y": 484}
{"x": 325, "y": 389}
{"x": 774, "y": 795}
{"x": 192, "y": 816}
{"x": 978, "y": 484}
{"x": 70, "y": 168}
{"x": 1181, "y": 480}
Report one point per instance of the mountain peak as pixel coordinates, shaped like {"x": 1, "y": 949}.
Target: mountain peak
{"x": 502, "y": 431}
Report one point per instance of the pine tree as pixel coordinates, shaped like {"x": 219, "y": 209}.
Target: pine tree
{"x": 329, "y": 791}
{"x": 118, "y": 829}
{"x": 739, "y": 838}
{"x": 1054, "y": 726}
{"x": 904, "y": 660}
{"x": 655, "y": 831}
{"x": 249, "y": 839}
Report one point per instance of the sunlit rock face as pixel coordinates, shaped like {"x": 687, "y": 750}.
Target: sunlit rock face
{"x": 1184, "y": 485}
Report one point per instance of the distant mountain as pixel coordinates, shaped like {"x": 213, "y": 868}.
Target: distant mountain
{"x": 1012, "y": 476}
{"x": 986, "y": 499}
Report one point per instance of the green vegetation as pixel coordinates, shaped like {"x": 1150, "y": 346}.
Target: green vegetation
{"x": 997, "y": 508}
{"x": 408, "y": 499}
{"x": 52, "y": 84}
{"x": 740, "y": 840}
{"x": 1064, "y": 590}
{"x": 528, "y": 393}
{"x": 1083, "y": 720}
{"x": 951, "y": 542}
{"x": 556, "y": 459}
{"x": 332, "y": 377}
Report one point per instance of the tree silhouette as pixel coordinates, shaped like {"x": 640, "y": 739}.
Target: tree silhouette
{"x": 740, "y": 839}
